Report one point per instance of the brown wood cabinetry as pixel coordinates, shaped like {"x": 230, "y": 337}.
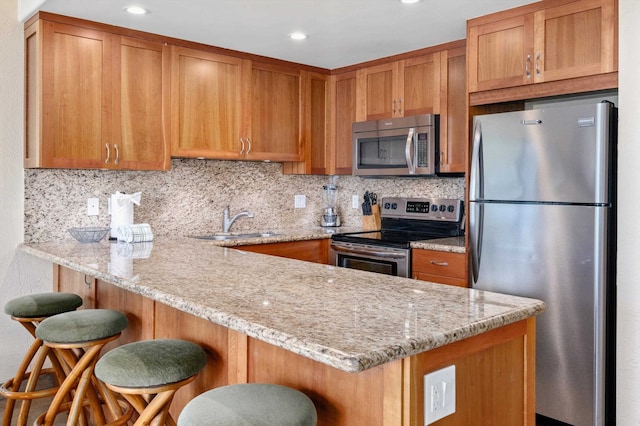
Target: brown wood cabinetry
{"x": 310, "y": 250}
{"x": 439, "y": 266}
{"x": 453, "y": 111}
{"x": 397, "y": 89}
{"x": 94, "y": 99}
{"x": 543, "y": 42}
{"x": 226, "y": 107}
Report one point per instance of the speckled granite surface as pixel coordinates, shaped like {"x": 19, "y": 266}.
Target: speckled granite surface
{"x": 189, "y": 198}
{"x": 452, "y": 245}
{"x": 351, "y": 320}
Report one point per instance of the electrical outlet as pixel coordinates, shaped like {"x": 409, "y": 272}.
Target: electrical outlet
{"x": 439, "y": 394}
{"x": 355, "y": 201}
{"x": 300, "y": 201}
{"x": 93, "y": 206}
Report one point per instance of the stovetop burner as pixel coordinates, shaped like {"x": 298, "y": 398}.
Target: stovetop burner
{"x": 405, "y": 220}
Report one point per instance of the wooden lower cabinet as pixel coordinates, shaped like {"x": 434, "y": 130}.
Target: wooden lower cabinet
{"x": 495, "y": 371}
{"x": 310, "y": 250}
{"x": 439, "y": 267}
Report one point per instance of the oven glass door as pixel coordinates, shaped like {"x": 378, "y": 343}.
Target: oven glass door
{"x": 384, "y": 260}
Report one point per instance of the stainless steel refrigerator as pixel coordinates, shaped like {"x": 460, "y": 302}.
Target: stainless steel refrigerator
{"x": 542, "y": 224}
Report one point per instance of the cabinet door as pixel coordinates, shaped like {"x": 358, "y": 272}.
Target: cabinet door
{"x": 377, "y": 89}
{"x": 500, "y": 54}
{"x": 141, "y": 73}
{"x": 206, "y": 104}
{"x": 344, "y": 115}
{"x": 275, "y": 114}
{"x": 453, "y": 112}
{"x": 311, "y": 250}
{"x": 575, "y": 40}
{"x": 419, "y": 85}
{"x": 76, "y": 96}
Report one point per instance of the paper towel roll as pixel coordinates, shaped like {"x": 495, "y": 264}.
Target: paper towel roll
{"x": 121, "y": 210}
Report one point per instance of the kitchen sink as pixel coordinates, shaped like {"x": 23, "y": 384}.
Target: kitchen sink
{"x": 231, "y": 237}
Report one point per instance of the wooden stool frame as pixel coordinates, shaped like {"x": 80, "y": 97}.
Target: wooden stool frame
{"x": 78, "y": 361}
{"x": 36, "y": 354}
{"x": 152, "y": 404}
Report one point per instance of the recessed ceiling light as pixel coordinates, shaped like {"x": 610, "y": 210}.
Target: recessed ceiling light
{"x": 409, "y": 1}
{"x": 297, "y": 36}
{"x": 136, "y": 10}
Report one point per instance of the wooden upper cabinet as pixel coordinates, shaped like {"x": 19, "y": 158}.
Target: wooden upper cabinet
{"x": 402, "y": 88}
{"x": 226, "y": 107}
{"x": 207, "y": 104}
{"x": 562, "y": 40}
{"x": 453, "y": 111}
{"x": 81, "y": 84}
{"x": 344, "y": 101}
{"x": 141, "y": 102}
{"x": 276, "y": 132}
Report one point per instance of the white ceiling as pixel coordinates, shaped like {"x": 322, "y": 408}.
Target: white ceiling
{"x": 341, "y": 32}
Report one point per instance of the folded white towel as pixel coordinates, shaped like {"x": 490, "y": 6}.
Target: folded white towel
{"x": 137, "y": 233}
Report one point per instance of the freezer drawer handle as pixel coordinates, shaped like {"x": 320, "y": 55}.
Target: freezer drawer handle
{"x": 530, "y": 122}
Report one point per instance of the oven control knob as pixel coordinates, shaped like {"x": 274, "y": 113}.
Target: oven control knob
{"x": 434, "y": 207}
{"x": 387, "y": 206}
{"x": 394, "y": 206}
{"x": 443, "y": 208}
{"x": 450, "y": 208}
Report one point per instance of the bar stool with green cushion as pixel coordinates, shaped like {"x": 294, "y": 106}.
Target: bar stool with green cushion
{"x": 250, "y": 404}
{"x": 77, "y": 338}
{"x": 148, "y": 373}
{"x": 29, "y": 311}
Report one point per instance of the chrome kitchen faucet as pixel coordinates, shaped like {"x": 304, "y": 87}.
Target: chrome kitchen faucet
{"x": 226, "y": 222}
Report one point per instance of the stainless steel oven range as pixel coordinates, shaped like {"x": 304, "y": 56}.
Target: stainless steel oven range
{"x": 404, "y": 220}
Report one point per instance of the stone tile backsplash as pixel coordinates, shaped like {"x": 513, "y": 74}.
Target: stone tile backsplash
{"x": 189, "y": 199}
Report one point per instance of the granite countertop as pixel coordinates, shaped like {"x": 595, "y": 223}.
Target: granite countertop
{"x": 452, "y": 244}
{"x": 349, "y": 319}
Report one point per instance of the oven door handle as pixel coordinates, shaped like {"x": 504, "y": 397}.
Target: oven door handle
{"x": 364, "y": 251}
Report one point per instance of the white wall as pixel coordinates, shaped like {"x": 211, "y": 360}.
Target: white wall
{"x": 18, "y": 273}
{"x": 628, "y": 355}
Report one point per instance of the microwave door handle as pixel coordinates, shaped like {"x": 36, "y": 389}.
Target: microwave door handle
{"x": 407, "y": 152}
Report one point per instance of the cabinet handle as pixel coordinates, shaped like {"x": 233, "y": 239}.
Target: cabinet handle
{"x": 249, "y": 147}
{"x": 393, "y": 107}
{"x": 400, "y": 106}
{"x": 106, "y": 160}
{"x": 115, "y": 146}
{"x": 443, "y": 159}
{"x": 433, "y": 262}
{"x": 241, "y": 146}
{"x": 526, "y": 66}
{"x": 538, "y": 64}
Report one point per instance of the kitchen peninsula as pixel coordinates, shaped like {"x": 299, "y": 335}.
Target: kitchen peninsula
{"x": 357, "y": 343}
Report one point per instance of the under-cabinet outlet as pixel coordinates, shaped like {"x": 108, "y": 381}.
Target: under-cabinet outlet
{"x": 300, "y": 201}
{"x": 93, "y": 206}
{"x": 355, "y": 201}
{"x": 439, "y": 394}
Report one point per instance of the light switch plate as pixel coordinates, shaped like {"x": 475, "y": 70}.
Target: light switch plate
{"x": 300, "y": 201}
{"x": 439, "y": 394}
{"x": 355, "y": 201}
{"x": 93, "y": 206}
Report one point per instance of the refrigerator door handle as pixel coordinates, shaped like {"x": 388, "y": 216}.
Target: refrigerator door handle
{"x": 476, "y": 191}
{"x": 476, "y": 180}
{"x": 476, "y": 220}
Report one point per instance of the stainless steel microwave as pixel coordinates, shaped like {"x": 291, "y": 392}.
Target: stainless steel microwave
{"x": 405, "y": 146}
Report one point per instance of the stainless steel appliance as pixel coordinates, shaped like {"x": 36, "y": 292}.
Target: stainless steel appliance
{"x": 542, "y": 224}
{"x": 403, "y": 220}
{"x": 405, "y": 146}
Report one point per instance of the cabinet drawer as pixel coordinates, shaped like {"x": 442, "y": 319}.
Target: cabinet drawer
{"x": 441, "y": 263}
{"x": 310, "y": 250}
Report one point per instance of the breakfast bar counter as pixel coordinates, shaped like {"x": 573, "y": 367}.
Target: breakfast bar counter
{"x": 331, "y": 332}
